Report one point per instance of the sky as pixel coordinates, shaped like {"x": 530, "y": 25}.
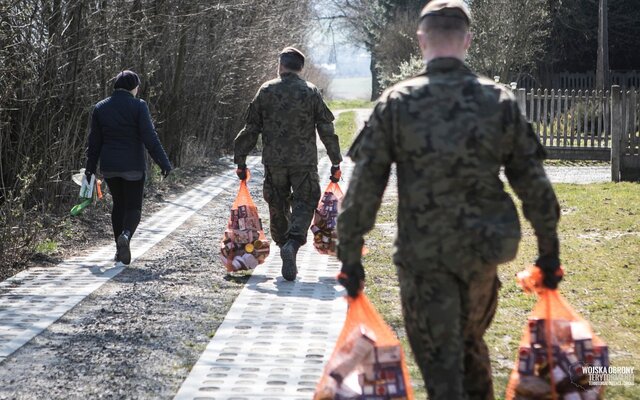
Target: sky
{"x": 351, "y": 61}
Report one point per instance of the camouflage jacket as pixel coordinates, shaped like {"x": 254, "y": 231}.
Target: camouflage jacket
{"x": 287, "y": 111}
{"x": 449, "y": 132}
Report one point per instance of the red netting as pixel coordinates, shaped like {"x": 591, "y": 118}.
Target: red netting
{"x": 367, "y": 362}
{"x": 556, "y": 350}
{"x": 244, "y": 245}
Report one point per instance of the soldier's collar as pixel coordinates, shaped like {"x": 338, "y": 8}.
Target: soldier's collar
{"x": 445, "y": 64}
{"x": 288, "y": 75}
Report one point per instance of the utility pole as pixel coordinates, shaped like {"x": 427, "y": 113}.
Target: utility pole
{"x": 602, "y": 69}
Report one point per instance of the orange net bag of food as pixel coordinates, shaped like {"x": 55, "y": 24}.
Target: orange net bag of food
{"x": 244, "y": 245}
{"x": 368, "y": 362}
{"x": 559, "y": 357}
{"x": 325, "y": 219}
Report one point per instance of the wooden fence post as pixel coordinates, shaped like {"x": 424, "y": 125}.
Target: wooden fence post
{"x": 521, "y": 97}
{"x": 616, "y": 132}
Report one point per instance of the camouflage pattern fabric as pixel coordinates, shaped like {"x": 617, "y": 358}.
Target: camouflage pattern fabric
{"x": 287, "y": 111}
{"x": 449, "y": 132}
{"x": 292, "y": 194}
{"x": 446, "y": 319}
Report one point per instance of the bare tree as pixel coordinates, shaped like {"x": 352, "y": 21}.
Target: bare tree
{"x": 200, "y": 63}
{"x": 374, "y": 24}
{"x": 509, "y": 36}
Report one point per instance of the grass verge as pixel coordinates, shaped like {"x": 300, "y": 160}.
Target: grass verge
{"x": 47, "y": 247}
{"x": 349, "y": 104}
{"x": 345, "y": 127}
{"x": 600, "y": 244}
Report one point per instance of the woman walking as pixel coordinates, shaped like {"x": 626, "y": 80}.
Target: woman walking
{"x": 121, "y": 128}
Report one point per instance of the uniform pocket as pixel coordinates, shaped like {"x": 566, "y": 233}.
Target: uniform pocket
{"x": 307, "y": 189}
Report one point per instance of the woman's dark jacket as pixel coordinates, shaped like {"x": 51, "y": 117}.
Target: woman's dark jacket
{"x": 121, "y": 128}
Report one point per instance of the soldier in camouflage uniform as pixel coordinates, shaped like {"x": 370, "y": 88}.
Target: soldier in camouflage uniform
{"x": 287, "y": 111}
{"x": 449, "y": 132}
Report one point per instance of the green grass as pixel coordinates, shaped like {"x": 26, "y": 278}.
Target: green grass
{"x": 47, "y": 247}
{"x": 600, "y": 248}
{"x": 349, "y": 104}
{"x": 345, "y": 127}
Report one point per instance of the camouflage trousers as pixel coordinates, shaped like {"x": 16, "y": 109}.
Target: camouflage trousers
{"x": 292, "y": 194}
{"x": 446, "y": 317}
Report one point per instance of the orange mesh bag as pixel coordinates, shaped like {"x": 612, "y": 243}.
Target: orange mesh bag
{"x": 368, "y": 362}
{"x": 325, "y": 219}
{"x": 244, "y": 245}
{"x": 558, "y": 351}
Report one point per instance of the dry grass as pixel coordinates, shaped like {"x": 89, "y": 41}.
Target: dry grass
{"x": 600, "y": 233}
{"x": 600, "y": 247}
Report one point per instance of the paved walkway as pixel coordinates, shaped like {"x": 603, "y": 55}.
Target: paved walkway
{"x": 278, "y": 335}
{"x": 276, "y": 338}
{"x": 273, "y": 343}
{"x": 33, "y": 299}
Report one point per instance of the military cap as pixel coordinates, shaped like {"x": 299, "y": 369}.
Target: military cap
{"x": 291, "y": 55}
{"x": 447, "y": 8}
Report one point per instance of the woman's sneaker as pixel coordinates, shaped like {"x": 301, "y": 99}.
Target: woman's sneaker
{"x": 124, "y": 254}
{"x": 118, "y": 263}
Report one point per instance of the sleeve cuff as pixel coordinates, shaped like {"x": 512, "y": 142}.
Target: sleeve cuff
{"x": 351, "y": 255}
{"x": 240, "y": 160}
{"x": 336, "y": 159}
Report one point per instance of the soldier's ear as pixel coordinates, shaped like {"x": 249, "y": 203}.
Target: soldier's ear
{"x": 422, "y": 40}
{"x": 467, "y": 40}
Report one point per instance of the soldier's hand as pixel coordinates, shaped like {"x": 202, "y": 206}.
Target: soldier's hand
{"x": 352, "y": 278}
{"x": 336, "y": 174}
{"x": 549, "y": 262}
{"x": 551, "y": 271}
{"x": 241, "y": 172}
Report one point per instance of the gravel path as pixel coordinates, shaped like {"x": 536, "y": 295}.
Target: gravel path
{"x": 140, "y": 333}
{"x": 579, "y": 175}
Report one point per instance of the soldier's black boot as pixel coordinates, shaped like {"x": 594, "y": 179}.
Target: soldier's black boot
{"x": 288, "y": 253}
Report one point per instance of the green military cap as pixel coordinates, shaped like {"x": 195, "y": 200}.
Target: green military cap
{"x": 447, "y": 8}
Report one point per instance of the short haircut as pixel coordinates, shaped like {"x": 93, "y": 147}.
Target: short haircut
{"x": 444, "y": 25}
{"x": 292, "y": 59}
{"x": 291, "y": 62}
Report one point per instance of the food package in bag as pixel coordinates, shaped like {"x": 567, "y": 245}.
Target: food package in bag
{"x": 558, "y": 350}
{"x": 90, "y": 191}
{"x": 324, "y": 227}
{"x": 367, "y": 362}
{"x": 87, "y": 187}
{"x": 244, "y": 245}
